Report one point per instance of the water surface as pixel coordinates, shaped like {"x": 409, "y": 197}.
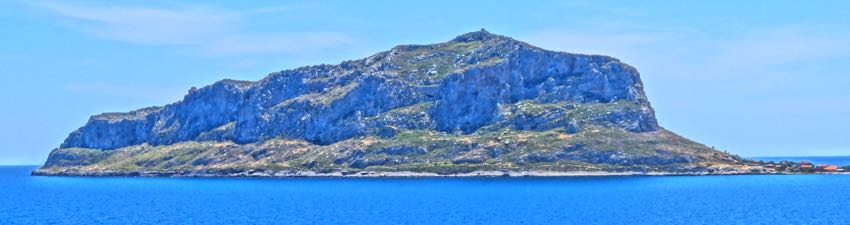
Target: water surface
{"x": 766, "y": 199}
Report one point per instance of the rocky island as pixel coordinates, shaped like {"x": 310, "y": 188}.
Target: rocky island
{"x": 478, "y": 105}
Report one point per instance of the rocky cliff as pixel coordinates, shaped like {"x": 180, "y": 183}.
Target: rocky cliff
{"x": 478, "y": 102}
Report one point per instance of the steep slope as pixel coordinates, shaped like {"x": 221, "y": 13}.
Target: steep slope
{"x": 478, "y": 102}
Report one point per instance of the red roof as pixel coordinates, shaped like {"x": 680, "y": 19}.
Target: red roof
{"x": 831, "y": 168}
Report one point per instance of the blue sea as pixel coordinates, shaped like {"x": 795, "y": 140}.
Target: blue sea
{"x": 766, "y": 199}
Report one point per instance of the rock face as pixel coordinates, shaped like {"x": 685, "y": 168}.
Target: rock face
{"x": 326, "y": 104}
{"x": 470, "y": 95}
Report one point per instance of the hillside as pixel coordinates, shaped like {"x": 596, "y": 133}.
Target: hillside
{"x": 480, "y": 103}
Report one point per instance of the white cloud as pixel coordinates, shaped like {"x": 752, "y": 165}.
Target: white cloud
{"x": 279, "y": 9}
{"x": 199, "y": 28}
{"x": 144, "y": 25}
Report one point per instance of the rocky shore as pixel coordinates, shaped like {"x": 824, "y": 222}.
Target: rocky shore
{"x": 401, "y": 174}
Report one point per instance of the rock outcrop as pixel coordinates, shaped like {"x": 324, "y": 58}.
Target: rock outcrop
{"x": 480, "y": 99}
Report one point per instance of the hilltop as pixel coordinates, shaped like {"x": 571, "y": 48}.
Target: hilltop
{"x": 480, "y": 103}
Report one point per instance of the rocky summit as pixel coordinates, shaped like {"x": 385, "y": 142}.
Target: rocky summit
{"x": 480, "y": 103}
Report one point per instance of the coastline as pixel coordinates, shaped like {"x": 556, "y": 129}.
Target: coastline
{"x": 393, "y": 174}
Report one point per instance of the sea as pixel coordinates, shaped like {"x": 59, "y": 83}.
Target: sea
{"x": 741, "y": 199}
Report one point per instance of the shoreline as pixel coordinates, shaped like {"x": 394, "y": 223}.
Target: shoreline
{"x": 395, "y": 174}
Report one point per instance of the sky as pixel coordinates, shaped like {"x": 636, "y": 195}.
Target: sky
{"x": 753, "y": 78}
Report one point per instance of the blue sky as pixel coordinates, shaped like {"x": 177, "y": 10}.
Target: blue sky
{"x": 754, "y": 78}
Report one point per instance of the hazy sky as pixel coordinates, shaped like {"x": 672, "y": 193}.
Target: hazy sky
{"x": 755, "y": 78}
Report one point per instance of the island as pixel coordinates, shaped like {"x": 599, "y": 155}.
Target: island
{"x": 480, "y": 104}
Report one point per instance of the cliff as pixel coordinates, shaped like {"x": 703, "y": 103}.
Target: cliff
{"x": 480, "y": 102}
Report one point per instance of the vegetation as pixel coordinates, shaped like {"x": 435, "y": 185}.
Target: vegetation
{"x": 409, "y": 150}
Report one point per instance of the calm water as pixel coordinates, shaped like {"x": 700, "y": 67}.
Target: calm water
{"x": 797, "y": 199}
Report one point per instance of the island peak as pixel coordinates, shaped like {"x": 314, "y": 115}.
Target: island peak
{"x": 480, "y": 102}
